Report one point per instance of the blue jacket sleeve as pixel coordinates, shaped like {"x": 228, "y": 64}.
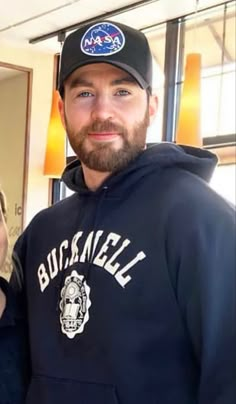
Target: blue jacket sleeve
{"x": 202, "y": 260}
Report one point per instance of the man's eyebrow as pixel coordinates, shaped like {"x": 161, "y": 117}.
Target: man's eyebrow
{"x": 79, "y": 81}
{"x": 123, "y": 80}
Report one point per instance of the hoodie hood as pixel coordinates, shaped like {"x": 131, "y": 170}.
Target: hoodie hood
{"x": 164, "y": 155}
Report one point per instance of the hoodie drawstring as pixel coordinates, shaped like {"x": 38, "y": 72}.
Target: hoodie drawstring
{"x": 95, "y": 228}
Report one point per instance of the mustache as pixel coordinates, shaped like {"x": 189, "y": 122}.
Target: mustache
{"x": 104, "y": 126}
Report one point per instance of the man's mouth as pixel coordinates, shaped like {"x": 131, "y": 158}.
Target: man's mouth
{"x": 103, "y": 136}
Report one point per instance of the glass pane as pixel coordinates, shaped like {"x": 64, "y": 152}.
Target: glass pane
{"x": 223, "y": 181}
{"x": 67, "y": 191}
{"x": 69, "y": 150}
{"x": 218, "y": 100}
{"x": 157, "y": 42}
{"x": 212, "y": 34}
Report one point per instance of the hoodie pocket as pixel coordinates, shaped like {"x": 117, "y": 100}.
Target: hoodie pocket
{"x": 46, "y": 390}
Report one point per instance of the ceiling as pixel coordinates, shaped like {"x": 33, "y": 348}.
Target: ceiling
{"x": 22, "y": 21}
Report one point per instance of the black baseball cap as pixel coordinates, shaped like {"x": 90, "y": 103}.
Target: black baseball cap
{"x": 107, "y": 42}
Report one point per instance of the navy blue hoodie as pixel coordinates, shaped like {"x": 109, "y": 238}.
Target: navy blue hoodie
{"x": 131, "y": 289}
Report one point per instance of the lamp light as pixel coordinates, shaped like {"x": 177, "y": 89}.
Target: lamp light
{"x": 188, "y": 131}
{"x": 55, "y": 156}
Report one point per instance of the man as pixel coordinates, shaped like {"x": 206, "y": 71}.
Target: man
{"x": 130, "y": 282}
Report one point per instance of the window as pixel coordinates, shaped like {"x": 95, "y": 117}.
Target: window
{"x": 212, "y": 34}
{"x": 157, "y": 38}
{"x": 223, "y": 181}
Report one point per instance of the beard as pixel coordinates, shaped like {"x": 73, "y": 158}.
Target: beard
{"x": 104, "y": 157}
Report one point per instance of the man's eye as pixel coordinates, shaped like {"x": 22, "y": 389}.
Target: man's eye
{"x": 122, "y": 92}
{"x": 84, "y": 94}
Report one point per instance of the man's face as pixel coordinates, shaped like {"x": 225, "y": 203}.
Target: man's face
{"x": 106, "y": 115}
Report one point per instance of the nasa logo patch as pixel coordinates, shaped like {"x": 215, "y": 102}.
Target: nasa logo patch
{"x": 103, "y": 39}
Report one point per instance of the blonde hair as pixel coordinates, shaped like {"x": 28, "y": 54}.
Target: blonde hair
{"x": 3, "y": 204}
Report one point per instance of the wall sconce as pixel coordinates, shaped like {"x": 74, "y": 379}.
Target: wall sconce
{"x": 55, "y": 156}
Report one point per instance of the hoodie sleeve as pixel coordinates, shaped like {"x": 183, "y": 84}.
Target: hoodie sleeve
{"x": 14, "y": 347}
{"x": 202, "y": 262}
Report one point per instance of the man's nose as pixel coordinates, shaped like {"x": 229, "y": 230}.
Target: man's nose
{"x": 102, "y": 108}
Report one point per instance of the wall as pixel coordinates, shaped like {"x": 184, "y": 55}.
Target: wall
{"x": 42, "y": 65}
{"x": 13, "y": 104}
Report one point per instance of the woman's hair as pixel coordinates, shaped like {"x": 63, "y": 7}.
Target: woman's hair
{"x": 3, "y": 204}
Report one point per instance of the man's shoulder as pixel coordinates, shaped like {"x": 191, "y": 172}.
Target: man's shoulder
{"x": 191, "y": 193}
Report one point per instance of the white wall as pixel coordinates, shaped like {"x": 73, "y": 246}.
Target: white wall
{"x": 13, "y": 102}
{"x": 42, "y": 65}
{"x": 13, "y": 94}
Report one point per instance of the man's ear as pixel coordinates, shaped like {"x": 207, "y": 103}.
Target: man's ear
{"x": 62, "y": 111}
{"x": 153, "y": 106}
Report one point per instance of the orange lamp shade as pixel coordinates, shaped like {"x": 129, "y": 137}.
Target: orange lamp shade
{"x": 55, "y": 156}
{"x": 188, "y": 129}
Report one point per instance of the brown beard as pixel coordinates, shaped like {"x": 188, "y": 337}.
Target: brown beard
{"x": 103, "y": 157}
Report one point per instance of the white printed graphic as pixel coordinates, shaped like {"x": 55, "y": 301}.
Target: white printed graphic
{"x": 102, "y": 39}
{"x": 74, "y": 305}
